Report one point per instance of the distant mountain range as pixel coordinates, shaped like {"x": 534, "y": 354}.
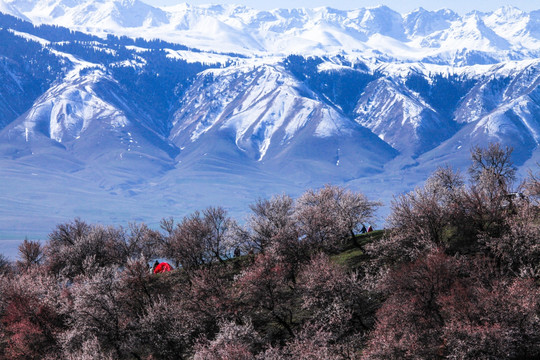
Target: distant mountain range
{"x": 118, "y": 111}
{"x": 441, "y": 37}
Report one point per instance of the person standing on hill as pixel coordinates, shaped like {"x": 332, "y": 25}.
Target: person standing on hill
{"x": 370, "y": 229}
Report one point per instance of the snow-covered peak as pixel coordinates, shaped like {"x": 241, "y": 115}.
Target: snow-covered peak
{"x": 7, "y": 8}
{"x": 109, "y": 14}
{"x": 516, "y": 25}
{"x": 508, "y": 12}
{"x": 21, "y": 5}
{"x": 440, "y": 36}
{"x": 470, "y": 33}
{"x": 421, "y": 22}
{"x": 382, "y": 20}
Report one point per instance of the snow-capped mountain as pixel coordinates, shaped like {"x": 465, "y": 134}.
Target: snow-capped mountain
{"x": 420, "y": 23}
{"x": 73, "y": 13}
{"x": 264, "y": 115}
{"x": 222, "y": 104}
{"x": 514, "y": 24}
{"x": 87, "y": 123}
{"x": 502, "y": 84}
{"x": 402, "y": 118}
{"x": 435, "y": 36}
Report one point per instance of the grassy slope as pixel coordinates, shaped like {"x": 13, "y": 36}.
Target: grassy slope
{"x": 352, "y": 255}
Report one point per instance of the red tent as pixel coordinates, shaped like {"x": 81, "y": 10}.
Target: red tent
{"x": 162, "y": 267}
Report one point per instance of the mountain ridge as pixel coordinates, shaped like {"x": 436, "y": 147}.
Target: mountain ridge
{"x": 132, "y": 126}
{"x": 420, "y": 34}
